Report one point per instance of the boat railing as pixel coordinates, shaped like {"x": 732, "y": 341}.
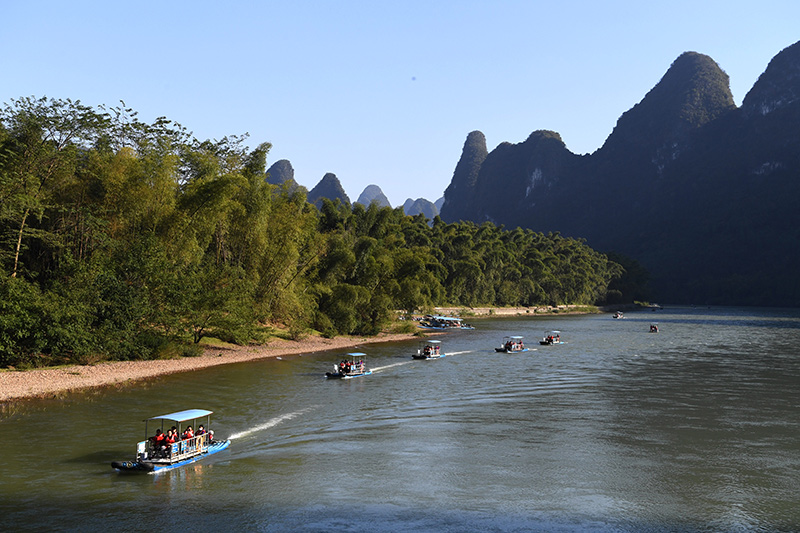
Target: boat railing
{"x": 179, "y": 450}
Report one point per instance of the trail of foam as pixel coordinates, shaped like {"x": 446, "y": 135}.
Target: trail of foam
{"x": 380, "y": 368}
{"x": 270, "y": 423}
{"x": 460, "y": 353}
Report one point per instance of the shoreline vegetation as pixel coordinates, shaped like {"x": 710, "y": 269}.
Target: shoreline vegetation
{"x": 56, "y": 381}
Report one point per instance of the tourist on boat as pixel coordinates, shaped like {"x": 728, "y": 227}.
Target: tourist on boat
{"x": 210, "y": 435}
{"x": 157, "y": 442}
{"x": 200, "y": 430}
{"x": 158, "y": 438}
{"x": 188, "y": 434}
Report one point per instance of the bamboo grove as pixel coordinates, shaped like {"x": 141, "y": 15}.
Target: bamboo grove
{"x": 126, "y": 240}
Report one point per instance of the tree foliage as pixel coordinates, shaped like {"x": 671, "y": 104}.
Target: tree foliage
{"x": 118, "y": 238}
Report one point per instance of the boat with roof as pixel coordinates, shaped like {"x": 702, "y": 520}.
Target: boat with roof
{"x": 353, "y": 365}
{"x": 551, "y": 337}
{"x": 179, "y": 446}
{"x": 440, "y": 322}
{"x": 512, "y": 344}
{"x": 429, "y": 349}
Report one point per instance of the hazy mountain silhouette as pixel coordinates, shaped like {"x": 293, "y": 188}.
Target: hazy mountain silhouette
{"x": 700, "y": 192}
{"x": 373, "y": 194}
{"x": 329, "y": 187}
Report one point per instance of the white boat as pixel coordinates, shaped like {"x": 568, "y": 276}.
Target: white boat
{"x": 551, "y": 337}
{"x": 157, "y": 455}
{"x": 352, "y": 366}
{"x": 429, "y": 349}
{"x": 654, "y": 327}
{"x": 512, "y": 344}
{"x": 443, "y": 322}
{"x": 618, "y": 314}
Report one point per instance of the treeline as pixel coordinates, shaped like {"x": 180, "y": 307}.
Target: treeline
{"x": 126, "y": 240}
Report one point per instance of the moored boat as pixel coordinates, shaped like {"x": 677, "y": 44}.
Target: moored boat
{"x": 352, "y": 366}
{"x": 161, "y": 452}
{"x": 443, "y": 322}
{"x": 512, "y": 344}
{"x": 429, "y": 349}
{"x": 551, "y": 337}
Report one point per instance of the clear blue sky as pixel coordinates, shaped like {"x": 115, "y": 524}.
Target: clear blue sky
{"x": 378, "y": 92}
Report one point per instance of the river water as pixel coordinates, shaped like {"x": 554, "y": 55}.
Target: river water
{"x": 693, "y": 428}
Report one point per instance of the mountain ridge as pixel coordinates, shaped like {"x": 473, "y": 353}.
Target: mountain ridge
{"x": 686, "y": 183}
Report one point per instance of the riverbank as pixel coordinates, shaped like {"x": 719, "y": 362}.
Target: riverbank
{"x": 465, "y": 312}
{"x": 51, "y": 382}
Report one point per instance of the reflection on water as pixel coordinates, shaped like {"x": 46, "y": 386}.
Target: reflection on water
{"x": 694, "y": 428}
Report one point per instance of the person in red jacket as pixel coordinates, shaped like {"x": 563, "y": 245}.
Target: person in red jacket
{"x": 157, "y": 442}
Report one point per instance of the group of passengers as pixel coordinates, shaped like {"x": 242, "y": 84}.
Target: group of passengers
{"x": 346, "y": 367}
{"x": 430, "y": 350}
{"x": 514, "y": 346}
{"x": 553, "y": 338}
{"x": 162, "y": 442}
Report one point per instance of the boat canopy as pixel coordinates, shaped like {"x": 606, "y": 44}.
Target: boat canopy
{"x": 515, "y": 337}
{"x": 183, "y": 416}
{"x": 356, "y": 354}
{"x": 432, "y": 342}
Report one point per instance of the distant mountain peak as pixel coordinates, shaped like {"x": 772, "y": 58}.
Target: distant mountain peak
{"x": 778, "y": 86}
{"x": 693, "y": 92}
{"x": 329, "y": 187}
{"x": 373, "y": 194}
{"x": 461, "y": 190}
{"x": 420, "y": 206}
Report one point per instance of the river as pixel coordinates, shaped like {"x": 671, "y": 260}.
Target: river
{"x": 693, "y": 428}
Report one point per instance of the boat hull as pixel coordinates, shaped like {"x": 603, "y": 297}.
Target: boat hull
{"x": 448, "y": 328}
{"x": 339, "y": 375}
{"x": 151, "y": 467}
{"x": 503, "y": 350}
{"x": 428, "y": 356}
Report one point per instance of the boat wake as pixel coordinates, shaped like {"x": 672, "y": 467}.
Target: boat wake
{"x": 269, "y": 424}
{"x": 381, "y": 368}
{"x": 459, "y": 353}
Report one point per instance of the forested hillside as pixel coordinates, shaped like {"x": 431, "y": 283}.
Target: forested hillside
{"x": 126, "y": 240}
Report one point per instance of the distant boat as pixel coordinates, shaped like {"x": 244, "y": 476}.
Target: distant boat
{"x": 512, "y": 344}
{"x": 551, "y": 337}
{"x": 618, "y": 314}
{"x": 352, "y": 366}
{"x": 429, "y": 349}
{"x": 654, "y": 327}
{"x": 155, "y": 455}
{"x": 443, "y": 322}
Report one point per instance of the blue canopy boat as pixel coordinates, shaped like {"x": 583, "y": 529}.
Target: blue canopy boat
{"x": 443, "y": 322}
{"x": 551, "y": 337}
{"x": 429, "y": 349}
{"x": 155, "y": 455}
{"x": 512, "y": 344}
{"x": 352, "y": 366}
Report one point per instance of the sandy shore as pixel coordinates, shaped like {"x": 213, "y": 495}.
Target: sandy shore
{"x": 15, "y": 385}
{"x": 48, "y": 382}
